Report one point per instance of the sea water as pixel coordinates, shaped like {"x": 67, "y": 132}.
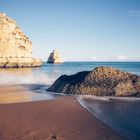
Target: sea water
{"x": 48, "y": 73}
{"x": 120, "y": 113}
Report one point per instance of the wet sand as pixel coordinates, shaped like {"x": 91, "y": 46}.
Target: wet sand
{"x": 61, "y": 118}
{"x": 22, "y": 93}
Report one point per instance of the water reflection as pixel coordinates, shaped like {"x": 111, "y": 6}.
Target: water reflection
{"x": 17, "y": 94}
{"x": 17, "y": 71}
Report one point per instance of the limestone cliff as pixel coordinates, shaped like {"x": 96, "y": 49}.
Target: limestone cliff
{"x": 15, "y": 46}
{"x": 54, "y": 57}
{"x": 102, "y": 81}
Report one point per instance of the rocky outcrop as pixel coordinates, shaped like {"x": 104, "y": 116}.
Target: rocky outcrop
{"x": 102, "y": 81}
{"x": 19, "y": 62}
{"x": 15, "y": 47}
{"x": 54, "y": 58}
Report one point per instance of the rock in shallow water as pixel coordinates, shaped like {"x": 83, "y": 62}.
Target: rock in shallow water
{"x": 102, "y": 81}
{"x": 15, "y": 47}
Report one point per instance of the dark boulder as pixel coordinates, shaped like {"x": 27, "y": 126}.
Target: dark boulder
{"x": 102, "y": 81}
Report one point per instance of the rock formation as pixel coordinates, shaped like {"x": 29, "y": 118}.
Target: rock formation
{"x": 15, "y": 47}
{"x": 102, "y": 81}
{"x": 54, "y": 57}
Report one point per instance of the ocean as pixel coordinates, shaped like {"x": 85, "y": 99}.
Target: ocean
{"x": 48, "y": 73}
{"x": 121, "y": 114}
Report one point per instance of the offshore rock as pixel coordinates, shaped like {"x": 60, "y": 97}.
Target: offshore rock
{"x": 15, "y": 46}
{"x": 102, "y": 81}
{"x": 54, "y": 58}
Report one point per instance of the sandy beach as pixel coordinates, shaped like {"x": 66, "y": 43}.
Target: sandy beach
{"x": 70, "y": 70}
{"x": 61, "y": 118}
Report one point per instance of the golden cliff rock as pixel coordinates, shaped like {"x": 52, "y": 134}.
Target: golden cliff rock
{"x": 15, "y": 46}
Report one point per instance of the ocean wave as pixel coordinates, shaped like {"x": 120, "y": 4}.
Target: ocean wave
{"x": 119, "y": 113}
{"x": 106, "y": 98}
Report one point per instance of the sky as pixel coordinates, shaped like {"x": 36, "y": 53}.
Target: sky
{"x": 81, "y": 30}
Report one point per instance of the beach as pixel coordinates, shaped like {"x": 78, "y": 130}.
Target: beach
{"x": 28, "y": 111}
{"x": 61, "y": 118}
{"x": 70, "y": 70}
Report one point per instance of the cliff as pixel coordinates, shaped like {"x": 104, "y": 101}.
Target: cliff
{"x": 102, "y": 81}
{"x": 54, "y": 57}
{"x": 15, "y": 46}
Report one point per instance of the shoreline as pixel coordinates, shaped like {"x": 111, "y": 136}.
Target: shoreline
{"x": 120, "y": 114}
{"x": 10, "y": 94}
{"x": 63, "y": 118}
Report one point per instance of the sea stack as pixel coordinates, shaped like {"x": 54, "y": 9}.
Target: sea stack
{"x": 102, "y": 81}
{"x": 15, "y": 46}
{"x": 54, "y": 58}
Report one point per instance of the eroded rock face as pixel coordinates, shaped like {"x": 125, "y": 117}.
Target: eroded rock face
{"x": 15, "y": 47}
{"x": 54, "y": 58}
{"x": 102, "y": 81}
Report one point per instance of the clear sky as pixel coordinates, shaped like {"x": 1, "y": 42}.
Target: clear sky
{"x": 81, "y": 30}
